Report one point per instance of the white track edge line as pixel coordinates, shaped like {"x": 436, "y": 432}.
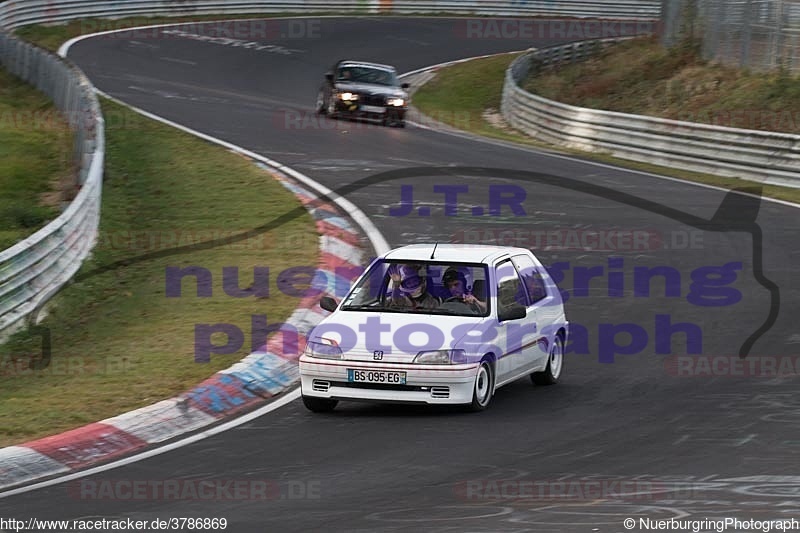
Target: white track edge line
{"x": 376, "y": 238}
{"x": 64, "y": 49}
{"x": 290, "y": 397}
{"x": 506, "y": 144}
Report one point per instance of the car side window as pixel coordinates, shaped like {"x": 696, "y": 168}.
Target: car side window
{"x": 531, "y": 278}
{"x": 344, "y": 74}
{"x": 509, "y": 287}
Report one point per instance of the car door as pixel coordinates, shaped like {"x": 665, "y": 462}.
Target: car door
{"x": 512, "y": 335}
{"x": 541, "y": 310}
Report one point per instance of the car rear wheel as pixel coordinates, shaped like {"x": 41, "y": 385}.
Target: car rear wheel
{"x": 555, "y": 364}
{"x": 482, "y": 388}
{"x": 319, "y": 405}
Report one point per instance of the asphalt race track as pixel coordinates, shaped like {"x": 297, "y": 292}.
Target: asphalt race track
{"x": 683, "y": 440}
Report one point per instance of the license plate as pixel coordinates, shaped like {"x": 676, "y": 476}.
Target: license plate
{"x": 376, "y": 376}
{"x": 372, "y": 109}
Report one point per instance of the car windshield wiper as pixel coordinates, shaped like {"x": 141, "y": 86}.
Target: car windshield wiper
{"x": 363, "y": 306}
{"x": 436, "y": 311}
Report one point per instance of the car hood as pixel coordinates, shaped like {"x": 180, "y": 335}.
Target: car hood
{"x": 402, "y": 335}
{"x": 369, "y": 88}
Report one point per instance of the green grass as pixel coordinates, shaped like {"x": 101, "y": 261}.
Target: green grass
{"x": 460, "y": 95}
{"x": 35, "y": 160}
{"x": 642, "y": 77}
{"x": 118, "y": 342}
{"x": 467, "y": 96}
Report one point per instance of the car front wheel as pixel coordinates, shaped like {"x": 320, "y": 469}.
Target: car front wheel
{"x": 320, "y": 103}
{"x": 319, "y": 405}
{"x": 555, "y": 364}
{"x": 331, "y": 107}
{"x": 482, "y": 388}
{"x": 394, "y": 118}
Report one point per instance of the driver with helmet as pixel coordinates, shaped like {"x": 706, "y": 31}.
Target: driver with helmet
{"x": 410, "y": 289}
{"x": 456, "y": 282}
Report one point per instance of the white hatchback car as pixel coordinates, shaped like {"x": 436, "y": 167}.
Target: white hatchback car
{"x": 437, "y": 324}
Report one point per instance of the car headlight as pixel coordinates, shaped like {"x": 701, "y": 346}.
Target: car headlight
{"x": 348, "y": 96}
{"x": 397, "y": 102}
{"x": 324, "y": 349}
{"x": 441, "y": 357}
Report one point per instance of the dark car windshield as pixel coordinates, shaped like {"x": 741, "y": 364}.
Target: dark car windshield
{"x": 435, "y": 288}
{"x": 376, "y": 76}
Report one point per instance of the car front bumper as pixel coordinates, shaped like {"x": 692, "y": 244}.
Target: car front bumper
{"x": 376, "y": 112}
{"x": 430, "y": 384}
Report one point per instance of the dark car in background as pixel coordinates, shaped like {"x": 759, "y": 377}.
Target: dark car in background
{"x": 362, "y": 89}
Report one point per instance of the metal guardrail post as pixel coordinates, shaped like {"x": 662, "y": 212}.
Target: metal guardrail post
{"x": 762, "y": 156}
{"x": 35, "y": 268}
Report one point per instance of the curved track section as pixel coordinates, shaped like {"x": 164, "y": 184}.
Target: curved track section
{"x": 647, "y": 434}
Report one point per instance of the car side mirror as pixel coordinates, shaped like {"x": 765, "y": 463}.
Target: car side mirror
{"x": 513, "y": 312}
{"x": 327, "y": 303}
{"x": 404, "y": 85}
{"x": 329, "y": 77}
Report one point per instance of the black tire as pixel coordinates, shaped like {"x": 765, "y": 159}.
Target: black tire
{"x": 331, "y": 107}
{"x": 402, "y": 124}
{"x": 319, "y": 405}
{"x": 321, "y": 103}
{"x": 555, "y": 365}
{"x": 483, "y": 388}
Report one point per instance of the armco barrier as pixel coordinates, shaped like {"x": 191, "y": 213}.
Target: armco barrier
{"x": 762, "y": 156}
{"x": 262, "y": 375}
{"x": 35, "y": 268}
{"x": 15, "y": 13}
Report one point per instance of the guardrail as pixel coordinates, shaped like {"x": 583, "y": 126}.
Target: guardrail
{"x": 35, "y": 268}
{"x": 15, "y": 13}
{"x": 762, "y": 156}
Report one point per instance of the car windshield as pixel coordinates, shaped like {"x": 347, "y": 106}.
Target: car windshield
{"x": 360, "y": 74}
{"x": 435, "y": 288}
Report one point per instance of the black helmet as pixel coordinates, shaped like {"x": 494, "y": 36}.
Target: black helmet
{"x": 453, "y": 274}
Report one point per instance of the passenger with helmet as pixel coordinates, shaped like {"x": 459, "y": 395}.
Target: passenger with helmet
{"x": 409, "y": 289}
{"x": 456, "y": 282}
